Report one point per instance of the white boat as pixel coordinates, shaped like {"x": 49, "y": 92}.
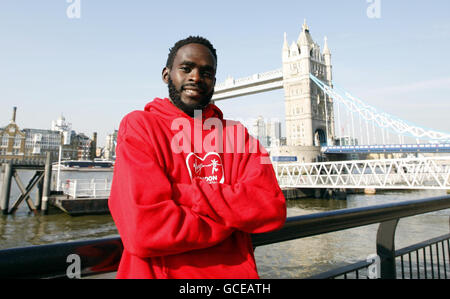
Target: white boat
{"x": 96, "y": 165}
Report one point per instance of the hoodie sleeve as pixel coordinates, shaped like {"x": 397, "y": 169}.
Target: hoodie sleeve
{"x": 254, "y": 204}
{"x": 149, "y": 221}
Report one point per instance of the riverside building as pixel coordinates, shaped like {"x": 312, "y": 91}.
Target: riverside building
{"x": 34, "y": 144}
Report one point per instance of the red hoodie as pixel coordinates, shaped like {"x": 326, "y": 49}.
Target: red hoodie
{"x": 186, "y": 211}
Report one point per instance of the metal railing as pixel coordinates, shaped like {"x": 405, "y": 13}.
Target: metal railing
{"x": 425, "y": 260}
{"x": 95, "y": 188}
{"x": 102, "y": 256}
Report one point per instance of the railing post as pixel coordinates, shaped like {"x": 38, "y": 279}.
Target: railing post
{"x": 5, "y": 193}
{"x": 386, "y": 248}
{"x": 75, "y": 188}
{"x": 39, "y": 192}
{"x": 46, "y": 184}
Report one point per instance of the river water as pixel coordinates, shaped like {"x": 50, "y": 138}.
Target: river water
{"x": 292, "y": 259}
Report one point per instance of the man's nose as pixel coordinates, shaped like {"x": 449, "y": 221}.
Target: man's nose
{"x": 194, "y": 75}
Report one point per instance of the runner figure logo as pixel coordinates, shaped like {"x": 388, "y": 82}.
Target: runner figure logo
{"x": 209, "y": 168}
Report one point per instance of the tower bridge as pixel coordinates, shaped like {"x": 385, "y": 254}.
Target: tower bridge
{"x": 309, "y": 115}
{"x": 322, "y": 118}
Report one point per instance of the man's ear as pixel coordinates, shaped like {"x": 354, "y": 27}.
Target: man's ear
{"x": 165, "y": 75}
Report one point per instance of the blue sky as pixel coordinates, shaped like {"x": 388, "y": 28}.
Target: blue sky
{"x": 99, "y": 67}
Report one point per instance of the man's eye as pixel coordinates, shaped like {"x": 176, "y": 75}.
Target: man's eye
{"x": 208, "y": 74}
{"x": 185, "y": 69}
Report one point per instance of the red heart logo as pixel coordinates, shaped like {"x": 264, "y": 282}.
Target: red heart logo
{"x": 209, "y": 168}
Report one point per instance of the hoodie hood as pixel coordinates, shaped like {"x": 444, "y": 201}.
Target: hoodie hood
{"x": 166, "y": 109}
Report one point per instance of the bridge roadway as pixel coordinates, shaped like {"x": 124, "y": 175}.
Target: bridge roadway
{"x": 388, "y": 148}
{"x": 232, "y": 88}
{"x": 407, "y": 173}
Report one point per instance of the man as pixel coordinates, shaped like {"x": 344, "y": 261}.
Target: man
{"x": 184, "y": 205}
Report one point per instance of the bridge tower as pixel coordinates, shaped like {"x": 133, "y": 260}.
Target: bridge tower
{"x": 309, "y": 112}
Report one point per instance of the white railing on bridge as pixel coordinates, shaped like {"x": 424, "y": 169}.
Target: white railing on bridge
{"x": 408, "y": 173}
{"x": 95, "y": 188}
{"x": 233, "y": 83}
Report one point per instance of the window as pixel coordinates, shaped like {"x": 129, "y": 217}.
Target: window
{"x": 17, "y": 141}
{"x": 5, "y": 140}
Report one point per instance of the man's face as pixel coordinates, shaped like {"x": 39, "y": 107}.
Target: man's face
{"x": 192, "y": 78}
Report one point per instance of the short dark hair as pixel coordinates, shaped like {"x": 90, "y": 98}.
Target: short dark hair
{"x": 189, "y": 40}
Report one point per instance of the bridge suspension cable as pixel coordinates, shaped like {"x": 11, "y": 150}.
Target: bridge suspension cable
{"x": 380, "y": 119}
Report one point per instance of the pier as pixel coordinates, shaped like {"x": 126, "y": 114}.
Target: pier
{"x": 41, "y": 181}
{"x": 77, "y": 197}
